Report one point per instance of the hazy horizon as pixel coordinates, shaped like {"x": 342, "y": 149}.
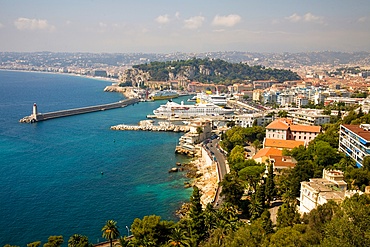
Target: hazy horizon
{"x": 164, "y": 26}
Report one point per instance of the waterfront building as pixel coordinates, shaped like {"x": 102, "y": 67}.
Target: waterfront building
{"x": 318, "y": 191}
{"x": 308, "y": 117}
{"x": 200, "y": 129}
{"x": 354, "y": 141}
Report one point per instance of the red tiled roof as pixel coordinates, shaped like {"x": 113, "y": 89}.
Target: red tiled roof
{"x": 283, "y": 161}
{"x": 288, "y": 144}
{"x": 305, "y": 128}
{"x": 278, "y": 124}
{"x": 365, "y": 134}
{"x": 267, "y": 152}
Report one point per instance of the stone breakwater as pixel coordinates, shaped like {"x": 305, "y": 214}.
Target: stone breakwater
{"x": 147, "y": 125}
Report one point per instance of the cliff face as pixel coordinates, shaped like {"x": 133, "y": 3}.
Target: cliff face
{"x": 138, "y": 76}
{"x": 135, "y": 76}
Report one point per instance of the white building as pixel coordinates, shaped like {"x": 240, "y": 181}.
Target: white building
{"x": 319, "y": 191}
{"x": 308, "y": 117}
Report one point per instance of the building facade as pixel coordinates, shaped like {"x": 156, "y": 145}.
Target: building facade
{"x": 354, "y": 141}
{"x": 318, "y": 191}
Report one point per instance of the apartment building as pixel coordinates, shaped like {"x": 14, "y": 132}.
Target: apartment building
{"x": 354, "y": 141}
{"x": 308, "y": 117}
{"x": 318, "y": 191}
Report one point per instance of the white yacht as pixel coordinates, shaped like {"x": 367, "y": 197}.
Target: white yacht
{"x": 172, "y": 109}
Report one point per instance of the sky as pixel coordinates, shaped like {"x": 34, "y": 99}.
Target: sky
{"x": 167, "y": 26}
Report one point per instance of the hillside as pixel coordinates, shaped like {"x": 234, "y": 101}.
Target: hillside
{"x": 212, "y": 70}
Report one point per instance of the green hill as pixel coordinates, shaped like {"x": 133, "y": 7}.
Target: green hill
{"x": 213, "y": 71}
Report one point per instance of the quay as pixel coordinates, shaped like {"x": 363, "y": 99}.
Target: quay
{"x": 147, "y": 125}
{"x": 36, "y": 116}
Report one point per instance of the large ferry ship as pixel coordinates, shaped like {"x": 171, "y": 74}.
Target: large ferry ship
{"x": 163, "y": 94}
{"x": 172, "y": 109}
{"x": 217, "y": 99}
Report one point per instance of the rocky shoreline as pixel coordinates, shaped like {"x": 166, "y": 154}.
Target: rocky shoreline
{"x": 204, "y": 177}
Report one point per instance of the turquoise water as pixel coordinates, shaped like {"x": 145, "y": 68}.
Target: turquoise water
{"x": 51, "y": 181}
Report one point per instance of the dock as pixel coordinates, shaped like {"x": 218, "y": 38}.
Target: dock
{"x": 36, "y": 116}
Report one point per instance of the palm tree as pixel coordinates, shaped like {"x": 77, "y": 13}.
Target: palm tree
{"x": 110, "y": 231}
{"x": 123, "y": 242}
{"x": 178, "y": 237}
{"x": 78, "y": 240}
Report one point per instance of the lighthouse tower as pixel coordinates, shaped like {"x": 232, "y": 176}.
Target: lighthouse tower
{"x": 34, "y": 111}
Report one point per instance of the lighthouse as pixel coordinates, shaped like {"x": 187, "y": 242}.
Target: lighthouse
{"x": 34, "y": 111}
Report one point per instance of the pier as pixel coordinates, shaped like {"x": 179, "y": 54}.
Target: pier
{"x": 36, "y": 116}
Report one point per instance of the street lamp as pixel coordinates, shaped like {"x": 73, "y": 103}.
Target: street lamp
{"x": 128, "y": 231}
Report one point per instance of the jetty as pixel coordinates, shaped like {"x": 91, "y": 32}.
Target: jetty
{"x": 36, "y": 116}
{"x": 147, "y": 125}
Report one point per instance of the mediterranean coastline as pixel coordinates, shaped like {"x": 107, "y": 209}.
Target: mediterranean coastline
{"x": 54, "y": 165}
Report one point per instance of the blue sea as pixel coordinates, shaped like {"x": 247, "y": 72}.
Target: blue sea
{"x": 51, "y": 180}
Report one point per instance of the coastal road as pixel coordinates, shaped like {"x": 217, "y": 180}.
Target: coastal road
{"x": 221, "y": 166}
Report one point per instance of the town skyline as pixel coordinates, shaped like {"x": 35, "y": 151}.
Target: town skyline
{"x": 165, "y": 27}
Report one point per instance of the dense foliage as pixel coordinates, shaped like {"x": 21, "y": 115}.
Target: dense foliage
{"x": 215, "y": 70}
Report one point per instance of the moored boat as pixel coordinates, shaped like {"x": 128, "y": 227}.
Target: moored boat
{"x": 163, "y": 94}
{"x": 173, "y": 109}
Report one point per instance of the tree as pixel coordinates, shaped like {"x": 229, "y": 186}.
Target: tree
{"x": 54, "y": 241}
{"x": 110, "y": 231}
{"x": 78, "y": 240}
{"x": 252, "y": 174}
{"x": 178, "y": 237}
{"x": 151, "y": 230}
{"x": 196, "y": 213}
{"x": 232, "y": 188}
{"x": 123, "y": 242}
{"x": 199, "y": 131}
{"x": 256, "y": 144}
{"x": 282, "y": 114}
{"x": 266, "y": 222}
{"x": 257, "y": 205}
{"x": 270, "y": 184}
{"x": 366, "y": 163}
{"x": 287, "y": 215}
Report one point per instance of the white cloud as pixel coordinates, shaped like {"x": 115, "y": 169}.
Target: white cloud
{"x": 1, "y": 25}
{"x": 102, "y": 24}
{"x": 362, "y": 19}
{"x": 226, "y": 21}
{"x": 194, "y": 22}
{"x": 312, "y": 18}
{"x": 177, "y": 15}
{"x": 293, "y": 18}
{"x": 308, "y": 17}
{"x": 32, "y": 24}
{"x": 162, "y": 19}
